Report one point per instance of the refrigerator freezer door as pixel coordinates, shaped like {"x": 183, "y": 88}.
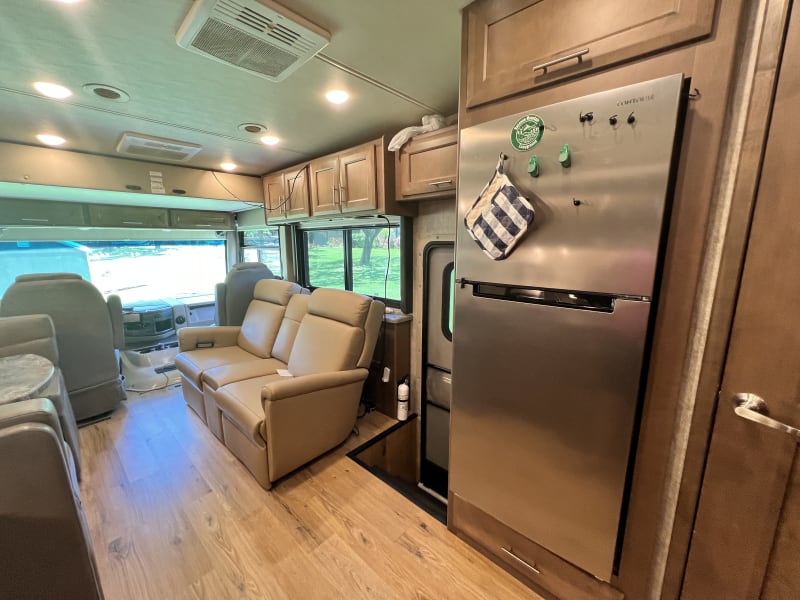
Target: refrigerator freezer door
{"x": 599, "y": 213}
{"x": 542, "y": 420}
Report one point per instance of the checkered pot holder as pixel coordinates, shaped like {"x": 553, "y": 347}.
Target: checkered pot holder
{"x": 500, "y": 216}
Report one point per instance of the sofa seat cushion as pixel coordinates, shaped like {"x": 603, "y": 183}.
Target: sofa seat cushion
{"x": 218, "y": 376}
{"x": 193, "y": 363}
{"x": 241, "y": 403}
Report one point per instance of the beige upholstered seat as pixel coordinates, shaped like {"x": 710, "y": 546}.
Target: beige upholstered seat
{"x": 35, "y": 334}
{"x": 233, "y": 297}
{"x": 204, "y": 348}
{"x": 275, "y": 424}
{"x": 45, "y": 548}
{"x": 87, "y": 331}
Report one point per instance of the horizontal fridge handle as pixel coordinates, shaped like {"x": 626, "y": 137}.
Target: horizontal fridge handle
{"x": 754, "y": 408}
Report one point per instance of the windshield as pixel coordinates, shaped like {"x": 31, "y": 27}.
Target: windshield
{"x": 134, "y": 270}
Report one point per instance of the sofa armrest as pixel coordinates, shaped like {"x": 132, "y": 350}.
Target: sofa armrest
{"x": 38, "y": 410}
{"x": 289, "y": 387}
{"x": 307, "y": 416}
{"x": 29, "y": 334}
{"x": 194, "y": 338}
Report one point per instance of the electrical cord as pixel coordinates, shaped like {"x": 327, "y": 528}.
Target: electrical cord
{"x": 291, "y": 190}
{"x": 224, "y": 187}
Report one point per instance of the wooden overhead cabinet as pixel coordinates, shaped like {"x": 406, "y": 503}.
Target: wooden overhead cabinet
{"x": 344, "y": 182}
{"x": 514, "y": 46}
{"x": 426, "y": 166}
{"x": 286, "y": 195}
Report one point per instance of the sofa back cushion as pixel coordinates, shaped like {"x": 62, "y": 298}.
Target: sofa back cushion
{"x": 264, "y": 315}
{"x": 295, "y": 311}
{"x": 331, "y": 336}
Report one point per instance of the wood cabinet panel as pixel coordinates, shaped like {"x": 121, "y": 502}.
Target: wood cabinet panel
{"x": 426, "y": 166}
{"x": 273, "y": 198}
{"x": 522, "y": 557}
{"x": 295, "y": 191}
{"x": 357, "y": 179}
{"x": 507, "y": 38}
{"x": 324, "y": 186}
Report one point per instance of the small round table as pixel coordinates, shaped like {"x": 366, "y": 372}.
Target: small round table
{"x": 24, "y": 376}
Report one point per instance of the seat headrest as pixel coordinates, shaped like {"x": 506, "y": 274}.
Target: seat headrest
{"x": 276, "y": 291}
{"x": 297, "y": 307}
{"x": 46, "y": 277}
{"x": 254, "y": 266}
{"x": 340, "y": 305}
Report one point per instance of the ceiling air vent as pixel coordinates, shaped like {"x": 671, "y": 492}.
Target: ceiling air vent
{"x": 155, "y": 148}
{"x": 258, "y": 36}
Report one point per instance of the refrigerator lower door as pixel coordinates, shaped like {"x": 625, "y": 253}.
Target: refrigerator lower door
{"x": 544, "y": 402}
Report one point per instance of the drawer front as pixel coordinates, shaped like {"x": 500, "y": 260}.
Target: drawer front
{"x": 41, "y": 213}
{"x": 508, "y": 39}
{"x": 101, "y": 215}
{"x": 524, "y": 558}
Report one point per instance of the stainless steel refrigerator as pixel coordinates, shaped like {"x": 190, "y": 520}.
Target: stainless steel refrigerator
{"x": 549, "y": 344}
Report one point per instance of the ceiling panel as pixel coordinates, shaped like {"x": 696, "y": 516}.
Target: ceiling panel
{"x": 412, "y": 46}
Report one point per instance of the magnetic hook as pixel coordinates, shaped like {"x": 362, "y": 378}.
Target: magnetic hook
{"x": 503, "y": 156}
{"x": 694, "y": 95}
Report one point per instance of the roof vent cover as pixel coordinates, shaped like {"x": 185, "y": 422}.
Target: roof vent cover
{"x": 258, "y": 36}
{"x": 148, "y": 147}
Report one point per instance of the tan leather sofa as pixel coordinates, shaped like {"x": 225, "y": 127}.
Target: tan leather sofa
{"x": 88, "y": 329}
{"x": 275, "y": 424}
{"x": 45, "y": 548}
{"x": 203, "y": 348}
{"x": 35, "y": 334}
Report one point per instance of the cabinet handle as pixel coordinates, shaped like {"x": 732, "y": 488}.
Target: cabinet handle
{"x": 32, "y": 220}
{"x": 132, "y": 223}
{"x": 442, "y": 182}
{"x": 335, "y": 202}
{"x": 753, "y": 408}
{"x": 524, "y": 563}
{"x": 545, "y": 65}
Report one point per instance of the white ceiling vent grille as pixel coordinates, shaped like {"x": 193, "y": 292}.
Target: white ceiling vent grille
{"x": 155, "y": 148}
{"x": 258, "y": 36}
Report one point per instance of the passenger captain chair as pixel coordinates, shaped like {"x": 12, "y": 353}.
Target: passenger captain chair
{"x": 87, "y": 331}
{"x": 233, "y": 297}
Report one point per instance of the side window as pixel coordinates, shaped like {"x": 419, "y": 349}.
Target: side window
{"x": 367, "y": 259}
{"x": 264, "y": 246}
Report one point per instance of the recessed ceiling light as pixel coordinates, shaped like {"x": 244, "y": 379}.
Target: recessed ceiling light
{"x": 252, "y": 127}
{"x": 106, "y": 92}
{"x": 270, "y": 140}
{"x": 52, "y": 90}
{"x": 50, "y": 140}
{"x": 68, "y": 1}
{"x": 228, "y": 166}
{"x": 337, "y": 96}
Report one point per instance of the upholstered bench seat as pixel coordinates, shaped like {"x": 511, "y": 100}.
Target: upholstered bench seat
{"x": 196, "y": 363}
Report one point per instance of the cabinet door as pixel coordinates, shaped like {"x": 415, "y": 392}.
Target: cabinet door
{"x": 295, "y": 190}
{"x": 427, "y": 165}
{"x": 507, "y": 39}
{"x": 274, "y": 208}
{"x": 357, "y": 179}
{"x": 102, "y": 215}
{"x": 41, "y": 212}
{"x": 200, "y": 219}
{"x": 325, "y": 194}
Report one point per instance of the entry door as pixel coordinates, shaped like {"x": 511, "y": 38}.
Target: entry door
{"x": 746, "y": 542}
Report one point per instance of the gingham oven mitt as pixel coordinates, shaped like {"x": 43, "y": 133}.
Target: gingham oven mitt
{"x": 500, "y": 216}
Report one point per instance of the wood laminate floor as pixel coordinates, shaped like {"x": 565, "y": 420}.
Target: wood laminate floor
{"x": 172, "y": 514}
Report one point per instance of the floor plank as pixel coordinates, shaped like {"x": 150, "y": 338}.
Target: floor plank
{"x": 172, "y": 514}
